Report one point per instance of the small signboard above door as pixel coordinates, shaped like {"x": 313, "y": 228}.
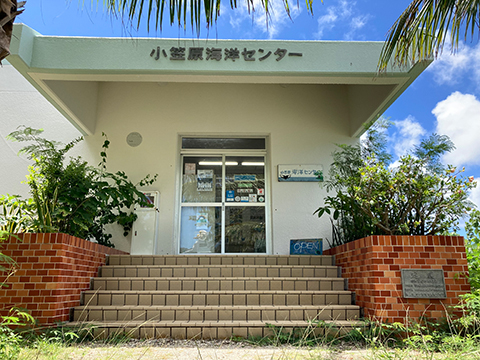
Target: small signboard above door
{"x": 292, "y": 173}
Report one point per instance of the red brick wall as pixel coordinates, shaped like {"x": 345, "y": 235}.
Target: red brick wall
{"x": 372, "y": 266}
{"x": 52, "y": 271}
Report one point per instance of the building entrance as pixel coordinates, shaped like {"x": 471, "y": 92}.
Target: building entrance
{"x": 223, "y": 198}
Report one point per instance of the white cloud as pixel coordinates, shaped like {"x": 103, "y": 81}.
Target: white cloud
{"x": 277, "y": 20}
{"x": 475, "y": 195}
{"x": 326, "y": 22}
{"x": 357, "y": 23}
{"x": 408, "y": 133}
{"x": 450, "y": 67}
{"x": 458, "y": 116}
{"x": 342, "y": 15}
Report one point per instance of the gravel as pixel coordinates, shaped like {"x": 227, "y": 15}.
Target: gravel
{"x": 212, "y": 350}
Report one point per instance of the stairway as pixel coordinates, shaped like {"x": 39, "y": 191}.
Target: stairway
{"x": 214, "y": 296}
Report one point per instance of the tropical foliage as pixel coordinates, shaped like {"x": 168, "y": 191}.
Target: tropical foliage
{"x": 183, "y": 12}
{"x": 416, "y": 196}
{"x": 422, "y": 29}
{"x": 72, "y": 197}
{"x": 472, "y": 246}
{"x": 9, "y": 9}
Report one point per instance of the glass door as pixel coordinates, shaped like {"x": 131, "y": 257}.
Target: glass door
{"x": 223, "y": 204}
{"x": 245, "y": 204}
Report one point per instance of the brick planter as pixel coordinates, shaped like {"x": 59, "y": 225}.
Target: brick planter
{"x": 52, "y": 271}
{"x": 372, "y": 266}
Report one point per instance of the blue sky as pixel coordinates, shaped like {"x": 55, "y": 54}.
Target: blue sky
{"x": 444, "y": 99}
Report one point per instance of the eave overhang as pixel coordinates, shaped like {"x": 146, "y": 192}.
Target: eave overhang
{"x": 67, "y": 71}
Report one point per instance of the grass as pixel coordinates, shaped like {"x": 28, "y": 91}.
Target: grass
{"x": 453, "y": 338}
{"x": 374, "y": 341}
{"x": 226, "y": 350}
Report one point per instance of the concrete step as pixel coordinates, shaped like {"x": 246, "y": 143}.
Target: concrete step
{"x": 212, "y": 329}
{"x": 220, "y": 271}
{"x": 217, "y": 283}
{"x": 265, "y": 313}
{"x": 216, "y": 296}
{"x": 220, "y": 259}
{"x": 196, "y": 298}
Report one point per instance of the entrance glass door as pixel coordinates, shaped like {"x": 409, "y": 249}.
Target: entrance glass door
{"x": 223, "y": 204}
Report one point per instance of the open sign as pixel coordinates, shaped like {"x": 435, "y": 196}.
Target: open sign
{"x": 306, "y": 247}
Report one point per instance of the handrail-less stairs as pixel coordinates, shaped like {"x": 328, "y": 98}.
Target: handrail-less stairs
{"x": 214, "y": 296}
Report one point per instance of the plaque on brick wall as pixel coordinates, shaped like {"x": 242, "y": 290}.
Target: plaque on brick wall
{"x": 423, "y": 284}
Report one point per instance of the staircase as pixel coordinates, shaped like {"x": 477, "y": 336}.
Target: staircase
{"x": 214, "y": 296}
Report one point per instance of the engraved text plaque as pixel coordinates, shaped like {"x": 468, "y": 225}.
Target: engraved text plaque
{"x": 423, "y": 283}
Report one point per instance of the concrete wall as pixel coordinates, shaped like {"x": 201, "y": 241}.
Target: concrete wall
{"x": 21, "y": 104}
{"x": 304, "y": 122}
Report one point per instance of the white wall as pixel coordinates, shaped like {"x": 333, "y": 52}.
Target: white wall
{"x": 21, "y": 104}
{"x": 304, "y": 123}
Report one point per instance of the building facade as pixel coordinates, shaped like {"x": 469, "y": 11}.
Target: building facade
{"x": 237, "y": 131}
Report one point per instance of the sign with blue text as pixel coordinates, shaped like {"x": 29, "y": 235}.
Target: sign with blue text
{"x": 307, "y": 173}
{"x": 306, "y": 247}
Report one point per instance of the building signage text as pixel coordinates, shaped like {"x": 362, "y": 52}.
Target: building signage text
{"x": 211, "y": 53}
{"x": 300, "y": 172}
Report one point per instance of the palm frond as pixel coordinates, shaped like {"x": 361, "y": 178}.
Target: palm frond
{"x": 422, "y": 29}
{"x": 181, "y": 12}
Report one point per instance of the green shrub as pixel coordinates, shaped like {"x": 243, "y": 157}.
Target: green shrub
{"x": 415, "y": 196}
{"x": 73, "y": 197}
{"x": 472, "y": 246}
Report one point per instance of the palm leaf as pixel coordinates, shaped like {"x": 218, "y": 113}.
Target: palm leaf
{"x": 180, "y": 11}
{"x": 422, "y": 29}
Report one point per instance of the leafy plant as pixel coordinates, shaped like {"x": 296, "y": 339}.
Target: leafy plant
{"x": 73, "y": 197}
{"x": 416, "y": 196}
{"x": 14, "y": 215}
{"x": 472, "y": 247}
{"x": 11, "y": 341}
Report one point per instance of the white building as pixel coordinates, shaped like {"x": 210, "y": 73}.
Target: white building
{"x": 223, "y": 124}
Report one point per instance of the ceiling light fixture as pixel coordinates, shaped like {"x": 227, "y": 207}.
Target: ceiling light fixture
{"x": 253, "y": 163}
{"x": 217, "y": 163}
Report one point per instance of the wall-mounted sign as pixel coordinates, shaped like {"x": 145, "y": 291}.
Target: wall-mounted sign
{"x": 211, "y": 53}
{"x": 306, "y": 247}
{"x": 300, "y": 173}
{"x": 423, "y": 283}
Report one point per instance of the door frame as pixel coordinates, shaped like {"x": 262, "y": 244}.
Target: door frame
{"x": 227, "y": 152}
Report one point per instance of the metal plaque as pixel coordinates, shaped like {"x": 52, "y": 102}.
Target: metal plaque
{"x": 423, "y": 284}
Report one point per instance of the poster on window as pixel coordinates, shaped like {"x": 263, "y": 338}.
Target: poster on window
{"x": 201, "y": 221}
{"x": 190, "y": 168}
{"x": 205, "y": 180}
